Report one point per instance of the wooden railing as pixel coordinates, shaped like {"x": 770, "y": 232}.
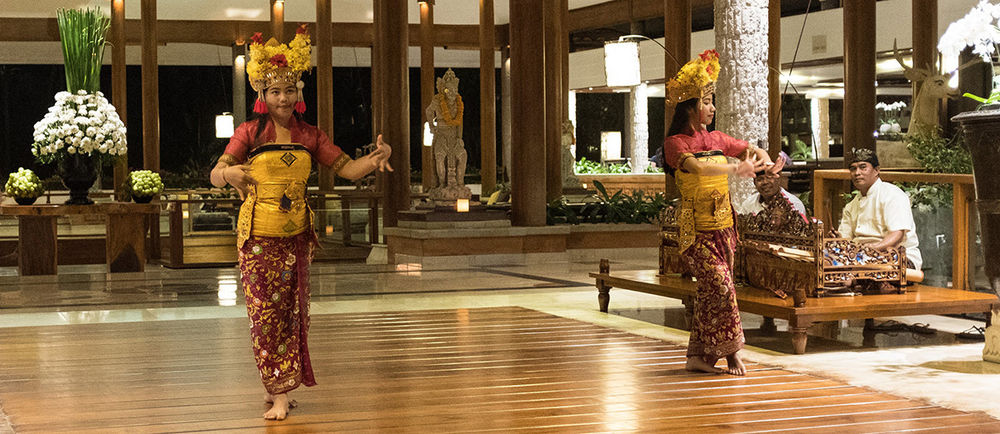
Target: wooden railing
{"x": 178, "y": 201}
{"x": 829, "y": 185}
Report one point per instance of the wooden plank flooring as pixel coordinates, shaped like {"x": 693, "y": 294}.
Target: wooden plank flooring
{"x": 498, "y": 369}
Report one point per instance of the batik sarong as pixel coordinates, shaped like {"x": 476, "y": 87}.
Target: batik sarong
{"x": 716, "y": 330}
{"x": 275, "y": 275}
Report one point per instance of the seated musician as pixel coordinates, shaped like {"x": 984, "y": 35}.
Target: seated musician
{"x": 880, "y": 216}
{"x": 768, "y": 191}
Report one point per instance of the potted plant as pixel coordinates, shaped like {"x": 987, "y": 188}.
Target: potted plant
{"x": 82, "y": 129}
{"x": 978, "y": 29}
{"x": 24, "y": 186}
{"x": 142, "y": 185}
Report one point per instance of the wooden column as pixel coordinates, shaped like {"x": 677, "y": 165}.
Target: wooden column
{"x": 376, "y": 70}
{"x": 859, "y": 76}
{"x": 487, "y": 97}
{"x": 324, "y": 81}
{"x": 553, "y": 101}
{"x": 392, "y": 42}
{"x": 150, "y": 89}
{"x": 527, "y": 77}
{"x": 924, "y": 31}
{"x": 240, "y": 83}
{"x": 118, "y": 86}
{"x": 277, "y": 20}
{"x": 773, "y": 82}
{"x": 677, "y": 39}
{"x": 505, "y": 127}
{"x": 427, "y": 170}
{"x": 564, "y": 10}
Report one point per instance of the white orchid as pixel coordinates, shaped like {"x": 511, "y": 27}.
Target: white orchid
{"x": 977, "y": 29}
{"x": 81, "y": 123}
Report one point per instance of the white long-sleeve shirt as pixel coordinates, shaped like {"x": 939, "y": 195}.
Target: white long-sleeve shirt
{"x": 886, "y": 208}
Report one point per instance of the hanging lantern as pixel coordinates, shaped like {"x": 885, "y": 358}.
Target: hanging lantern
{"x": 621, "y": 63}
{"x": 224, "y": 125}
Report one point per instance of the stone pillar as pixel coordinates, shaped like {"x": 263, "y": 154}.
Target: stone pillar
{"x": 820, "y": 109}
{"x": 637, "y": 120}
{"x": 527, "y": 112}
{"x": 773, "y": 78}
{"x": 487, "y": 97}
{"x": 427, "y": 175}
{"x": 324, "y": 81}
{"x": 392, "y": 42}
{"x": 553, "y": 100}
{"x": 859, "y": 76}
{"x": 991, "y": 351}
{"x": 741, "y": 35}
{"x": 150, "y": 89}
{"x": 505, "y": 112}
{"x": 118, "y": 86}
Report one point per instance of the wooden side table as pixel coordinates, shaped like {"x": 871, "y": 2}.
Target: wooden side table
{"x": 38, "y": 247}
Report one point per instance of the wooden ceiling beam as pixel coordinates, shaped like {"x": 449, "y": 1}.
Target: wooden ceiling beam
{"x": 226, "y": 33}
{"x": 616, "y": 12}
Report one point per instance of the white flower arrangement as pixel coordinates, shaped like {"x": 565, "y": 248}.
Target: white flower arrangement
{"x": 82, "y": 123}
{"x": 891, "y": 106}
{"x": 144, "y": 183}
{"x": 977, "y": 29}
{"x": 24, "y": 184}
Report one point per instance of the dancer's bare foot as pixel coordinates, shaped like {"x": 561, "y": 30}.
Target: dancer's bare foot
{"x": 269, "y": 398}
{"x": 279, "y": 407}
{"x": 700, "y": 365}
{"x": 734, "y": 364}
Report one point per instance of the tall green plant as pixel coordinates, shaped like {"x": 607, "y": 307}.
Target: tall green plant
{"x": 82, "y": 33}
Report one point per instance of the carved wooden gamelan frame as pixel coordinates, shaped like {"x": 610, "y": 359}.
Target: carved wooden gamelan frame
{"x": 783, "y": 252}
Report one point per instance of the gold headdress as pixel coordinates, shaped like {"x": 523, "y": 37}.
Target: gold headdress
{"x": 695, "y": 79}
{"x": 272, "y": 62}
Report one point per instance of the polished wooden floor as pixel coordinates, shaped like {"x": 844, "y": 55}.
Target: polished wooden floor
{"x": 490, "y": 369}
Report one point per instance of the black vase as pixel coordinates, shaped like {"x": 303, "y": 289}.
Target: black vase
{"x": 142, "y": 199}
{"x": 78, "y": 174}
{"x": 982, "y": 134}
{"x": 25, "y": 200}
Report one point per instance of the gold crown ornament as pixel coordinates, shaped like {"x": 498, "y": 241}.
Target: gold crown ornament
{"x": 272, "y": 62}
{"x": 696, "y": 78}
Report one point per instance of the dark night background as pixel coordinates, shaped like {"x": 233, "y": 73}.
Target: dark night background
{"x": 191, "y": 97}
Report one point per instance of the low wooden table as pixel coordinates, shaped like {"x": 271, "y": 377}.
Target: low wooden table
{"x": 37, "y": 234}
{"x": 918, "y": 300}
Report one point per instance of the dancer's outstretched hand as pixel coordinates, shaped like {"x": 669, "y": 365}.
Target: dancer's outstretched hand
{"x": 381, "y": 155}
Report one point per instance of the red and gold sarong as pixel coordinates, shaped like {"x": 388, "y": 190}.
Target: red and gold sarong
{"x": 275, "y": 274}
{"x": 716, "y": 330}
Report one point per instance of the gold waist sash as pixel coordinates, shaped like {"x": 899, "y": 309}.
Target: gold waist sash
{"x": 705, "y": 203}
{"x": 276, "y": 206}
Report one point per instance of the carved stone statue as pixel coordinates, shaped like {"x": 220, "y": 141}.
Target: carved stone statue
{"x": 445, "y": 117}
{"x": 568, "y": 162}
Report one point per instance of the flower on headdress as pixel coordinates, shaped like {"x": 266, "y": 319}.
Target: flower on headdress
{"x": 694, "y": 77}
{"x": 304, "y": 28}
{"x": 279, "y": 60}
{"x": 273, "y": 62}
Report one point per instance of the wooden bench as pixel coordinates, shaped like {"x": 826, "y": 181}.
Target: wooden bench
{"x": 917, "y": 300}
